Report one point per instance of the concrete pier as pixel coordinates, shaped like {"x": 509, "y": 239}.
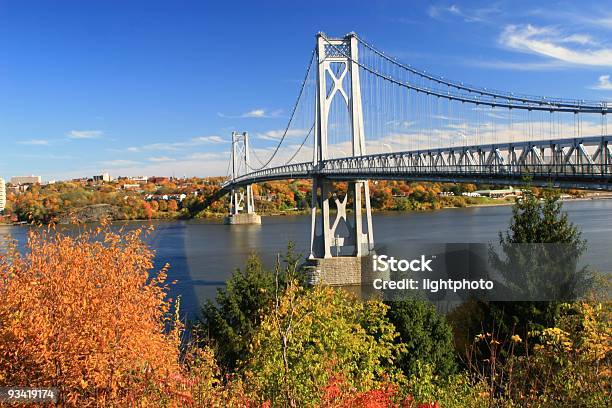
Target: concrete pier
{"x": 242, "y": 218}
{"x": 341, "y": 270}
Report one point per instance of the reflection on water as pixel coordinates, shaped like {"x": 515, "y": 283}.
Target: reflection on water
{"x": 203, "y": 253}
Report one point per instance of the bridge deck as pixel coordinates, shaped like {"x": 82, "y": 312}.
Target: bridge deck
{"x": 582, "y": 163}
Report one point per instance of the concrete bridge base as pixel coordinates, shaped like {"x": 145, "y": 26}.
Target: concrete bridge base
{"x": 244, "y": 218}
{"x": 340, "y": 271}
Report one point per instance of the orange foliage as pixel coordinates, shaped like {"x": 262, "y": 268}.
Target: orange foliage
{"x": 86, "y": 314}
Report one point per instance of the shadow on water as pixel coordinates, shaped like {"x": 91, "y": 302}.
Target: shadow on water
{"x": 169, "y": 242}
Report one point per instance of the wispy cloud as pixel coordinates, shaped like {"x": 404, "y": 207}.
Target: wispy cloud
{"x": 550, "y": 42}
{"x": 175, "y": 146}
{"x": 160, "y": 159}
{"x": 208, "y": 139}
{"x": 516, "y": 65}
{"x": 278, "y": 133}
{"x": 476, "y": 15}
{"x": 85, "y": 134}
{"x": 50, "y": 156}
{"x": 255, "y": 113}
{"x": 119, "y": 163}
{"x": 34, "y": 142}
{"x": 603, "y": 83}
{"x": 207, "y": 156}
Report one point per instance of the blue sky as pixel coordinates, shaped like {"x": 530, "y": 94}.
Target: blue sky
{"x": 156, "y": 87}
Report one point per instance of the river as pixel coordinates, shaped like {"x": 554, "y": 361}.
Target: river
{"x": 203, "y": 253}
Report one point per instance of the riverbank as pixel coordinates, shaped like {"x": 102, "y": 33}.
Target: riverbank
{"x": 96, "y": 216}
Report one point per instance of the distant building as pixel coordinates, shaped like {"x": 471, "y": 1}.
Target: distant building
{"x": 2, "y": 194}
{"x": 500, "y": 193}
{"x": 105, "y": 177}
{"x": 139, "y": 179}
{"x": 165, "y": 197}
{"x": 18, "y": 180}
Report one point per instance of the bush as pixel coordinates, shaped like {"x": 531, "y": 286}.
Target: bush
{"x": 569, "y": 366}
{"x": 87, "y": 315}
{"x": 310, "y": 334}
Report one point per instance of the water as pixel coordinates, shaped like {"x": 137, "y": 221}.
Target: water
{"x": 203, "y": 253}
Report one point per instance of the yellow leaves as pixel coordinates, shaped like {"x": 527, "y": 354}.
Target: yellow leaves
{"x": 516, "y": 338}
{"x": 82, "y": 312}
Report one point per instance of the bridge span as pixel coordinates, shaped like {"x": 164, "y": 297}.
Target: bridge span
{"x": 364, "y": 115}
{"x": 579, "y": 163}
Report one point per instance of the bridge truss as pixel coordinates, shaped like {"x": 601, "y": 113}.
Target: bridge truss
{"x": 584, "y": 163}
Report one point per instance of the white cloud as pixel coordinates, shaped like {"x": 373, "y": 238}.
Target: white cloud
{"x": 50, "y": 156}
{"x": 85, "y": 134}
{"x": 209, "y": 156}
{"x": 209, "y": 139}
{"x": 257, "y": 113}
{"x": 516, "y": 66}
{"x": 476, "y": 15}
{"x": 548, "y": 42}
{"x": 160, "y": 159}
{"x": 603, "y": 83}
{"x": 254, "y": 113}
{"x": 34, "y": 142}
{"x": 175, "y": 146}
{"x": 278, "y": 133}
{"x": 582, "y": 39}
{"x": 119, "y": 162}
{"x": 209, "y": 165}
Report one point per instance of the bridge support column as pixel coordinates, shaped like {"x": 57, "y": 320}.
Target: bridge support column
{"x": 341, "y": 241}
{"x": 238, "y": 201}
{"x": 244, "y": 197}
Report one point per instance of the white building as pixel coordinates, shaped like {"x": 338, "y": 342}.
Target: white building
{"x": 18, "y": 180}
{"x": 105, "y": 177}
{"x": 2, "y": 194}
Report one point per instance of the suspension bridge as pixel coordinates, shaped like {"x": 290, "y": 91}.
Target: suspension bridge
{"x": 363, "y": 115}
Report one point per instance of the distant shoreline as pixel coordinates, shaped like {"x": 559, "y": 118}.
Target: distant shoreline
{"x": 218, "y": 216}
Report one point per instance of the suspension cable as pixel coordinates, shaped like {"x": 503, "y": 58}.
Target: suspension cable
{"x": 536, "y": 105}
{"x": 301, "y": 145}
{"x": 295, "y": 106}
{"x": 558, "y": 102}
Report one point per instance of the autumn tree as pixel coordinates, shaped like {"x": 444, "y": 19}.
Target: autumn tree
{"x": 172, "y": 205}
{"x": 229, "y": 323}
{"x": 310, "y": 334}
{"x": 89, "y": 315}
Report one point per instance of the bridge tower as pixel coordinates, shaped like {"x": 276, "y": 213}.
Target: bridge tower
{"x": 241, "y": 197}
{"x": 340, "y": 241}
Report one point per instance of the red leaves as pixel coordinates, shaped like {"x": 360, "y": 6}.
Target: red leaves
{"x": 336, "y": 394}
